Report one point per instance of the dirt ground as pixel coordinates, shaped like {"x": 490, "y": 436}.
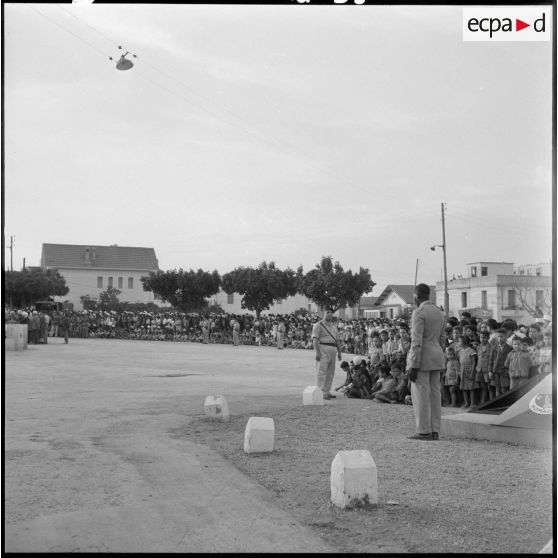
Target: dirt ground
{"x": 102, "y": 432}
{"x": 441, "y": 497}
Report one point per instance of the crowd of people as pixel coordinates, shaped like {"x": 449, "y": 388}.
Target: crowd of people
{"x": 283, "y": 330}
{"x": 484, "y": 358}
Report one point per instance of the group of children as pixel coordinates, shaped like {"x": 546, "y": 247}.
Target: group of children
{"x": 382, "y": 375}
{"x": 385, "y": 383}
{"x": 484, "y": 364}
{"x": 483, "y": 361}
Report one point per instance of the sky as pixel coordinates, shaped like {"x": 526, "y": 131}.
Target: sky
{"x": 276, "y": 133}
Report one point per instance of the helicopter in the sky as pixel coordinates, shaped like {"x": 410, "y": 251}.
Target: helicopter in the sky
{"x": 123, "y": 63}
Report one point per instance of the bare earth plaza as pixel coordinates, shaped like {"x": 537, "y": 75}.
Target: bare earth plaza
{"x": 108, "y": 449}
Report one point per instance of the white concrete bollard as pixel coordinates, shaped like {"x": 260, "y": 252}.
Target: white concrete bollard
{"x": 354, "y": 479}
{"x": 16, "y": 337}
{"x": 216, "y": 407}
{"x": 259, "y": 435}
{"x": 312, "y": 395}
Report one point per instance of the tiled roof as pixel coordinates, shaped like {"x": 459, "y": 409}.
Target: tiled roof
{"x": 73, "y": 256}
{"x": 405, "y": 292}
{"x": 367, "y": 301}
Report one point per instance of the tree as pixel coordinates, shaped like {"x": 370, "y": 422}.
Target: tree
{"x": 328, "y": 285}
{"x": 260, "y": 286}
{"x": 88, "y": 302}
{"x": 185, "y": 290}
{"x": 25, "y": 287}
{"x": 535, "y": 299}
{"x": 405, "y": 314}
{"x": 108, "y": 300}
{"x": 215, "y": 309}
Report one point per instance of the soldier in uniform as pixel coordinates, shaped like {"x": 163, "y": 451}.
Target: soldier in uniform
{"x": 326, "y": 346}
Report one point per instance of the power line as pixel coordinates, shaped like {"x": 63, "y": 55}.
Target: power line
{"x": 265, "y": 136}
{"x": 66, "y": 30}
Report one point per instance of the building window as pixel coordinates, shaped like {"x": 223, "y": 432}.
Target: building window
{"x": 474, "y": 271}
{"x": 538, "y": 271}
{"x": 230, "y": 298}
{"x": 110, "y": 282}
{"x": 120, "y": 282}
{"x": 484, "y": 271}
{"x": 99, "y": 282}
{"x": 130, "y": 282}
{"x": 391, "y": 313}
{"x": 511, "y": 298}
{"x": 484, "y": 300}
{"x": 309, "y": 308}
{"x": 463, "y": 300}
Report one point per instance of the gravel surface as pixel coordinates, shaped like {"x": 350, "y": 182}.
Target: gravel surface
{"x": 98, "y": 456}
{"x": 447, "y": 496}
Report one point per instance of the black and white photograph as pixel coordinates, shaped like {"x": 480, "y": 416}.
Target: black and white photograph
{"x": 188, "y": 189}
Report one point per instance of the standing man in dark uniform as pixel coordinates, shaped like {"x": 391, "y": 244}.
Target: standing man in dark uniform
{"x": 426, "y": 361}
{"x": 326, "y": 345}
{"x": 281, "y": 333}
{"x": 64, "y": 326}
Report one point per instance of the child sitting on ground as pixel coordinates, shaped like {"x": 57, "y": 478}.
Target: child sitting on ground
{"x": 360, "y": 380}
{"x": 346, "y": 368}
{"x": 388, "y": 392}
{"x": 384, "y": 371}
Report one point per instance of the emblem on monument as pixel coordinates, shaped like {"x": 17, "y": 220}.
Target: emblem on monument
{"x": 541, "y": 404}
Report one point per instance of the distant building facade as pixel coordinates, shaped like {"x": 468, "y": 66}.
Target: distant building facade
{"x": 395, "y": 300}
{"x": 536, "y": 270}
{"x": 90, "y": 270}
{"x": 232, "y": 304}
{"x": 500, "y": 290}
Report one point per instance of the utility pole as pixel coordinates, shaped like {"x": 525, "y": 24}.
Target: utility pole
{"x": 416, "y": 272}
{"x": 11, "y": 253}
{"x": 446, "y": 294}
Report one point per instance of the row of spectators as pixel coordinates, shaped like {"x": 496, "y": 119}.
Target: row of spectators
{"x": 484, "y": 358}
{"x": 193, "y": 327}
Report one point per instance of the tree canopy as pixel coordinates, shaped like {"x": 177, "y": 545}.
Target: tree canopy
{"x": 260, "y": 286}
{"x": 108, "y": 300}
{"x": 329, "y": 286}
{"x": 25, "y": 287}
{"x": 185, "y": 290}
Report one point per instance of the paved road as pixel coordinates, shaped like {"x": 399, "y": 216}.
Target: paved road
{"x": 90, "y": 460}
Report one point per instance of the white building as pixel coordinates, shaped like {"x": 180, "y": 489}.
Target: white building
{"x": 394, "y": 300}
{"x": 232, "y": 304}
{"x": 90, "y": 270}
{"x": 499, "y": 290}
